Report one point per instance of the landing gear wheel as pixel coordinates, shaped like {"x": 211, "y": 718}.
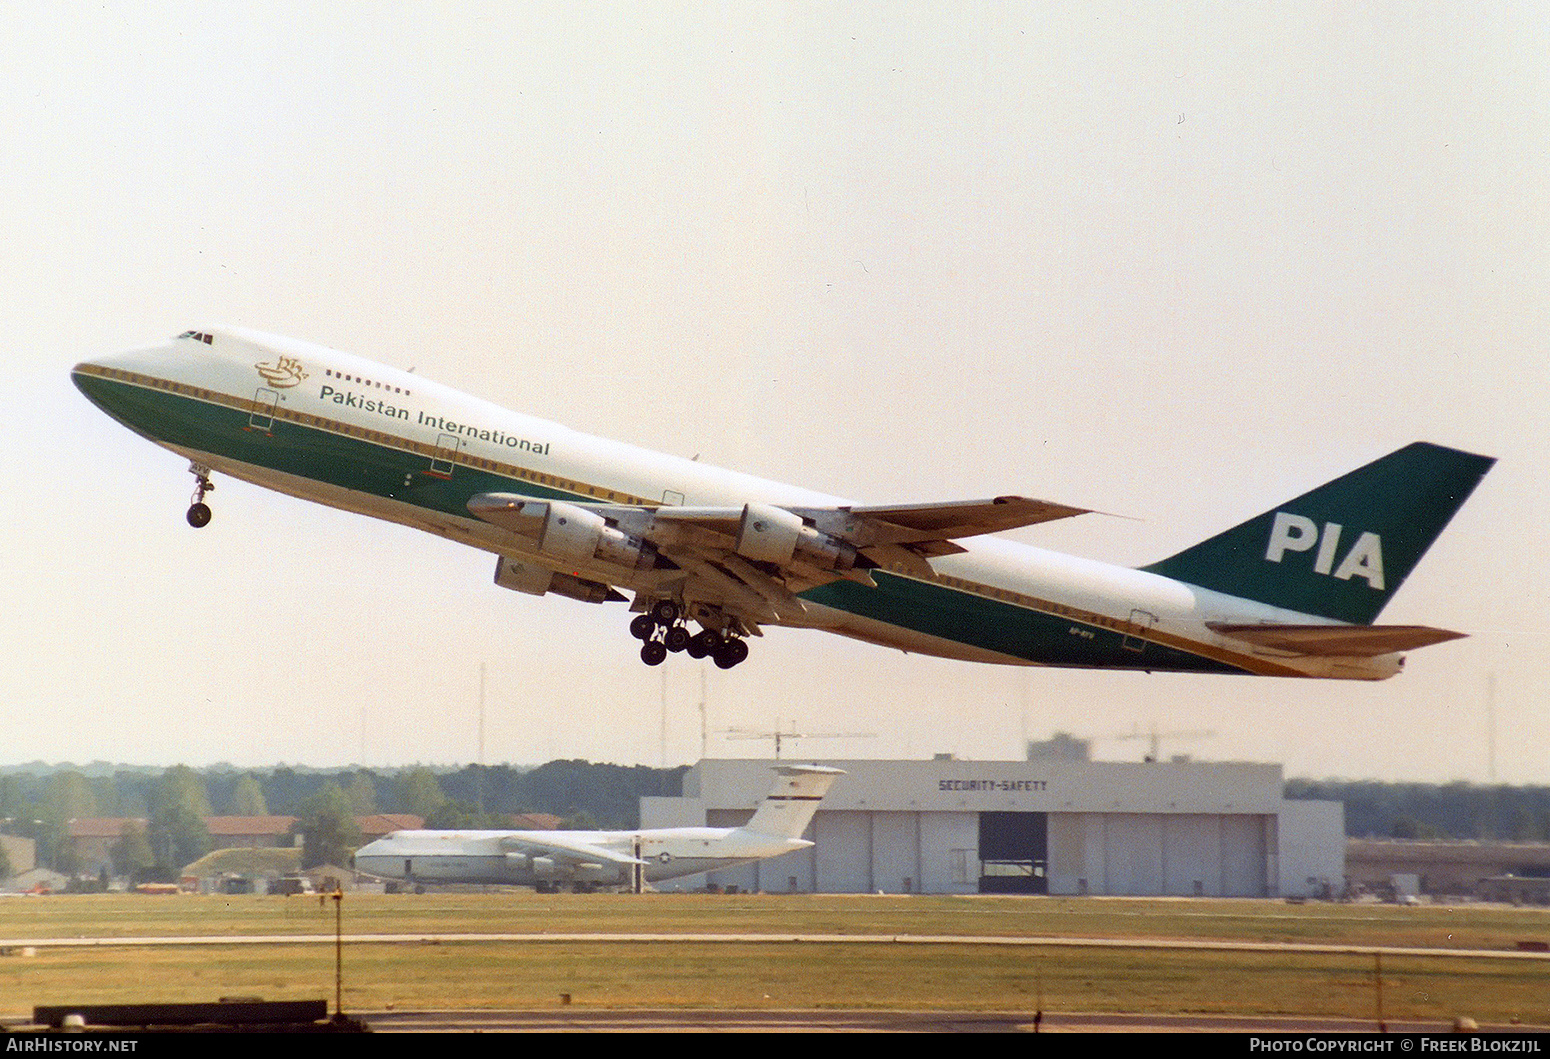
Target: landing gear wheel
{"x": 677, "y": 639}
{"x": 703, "y": 643}
{"x": 666, "y": 611}
{"x": 652, "y": 653}
{"x": 641, "y": 627}
{"x": 729, "y": 654}
{"x": 198, "y": 513}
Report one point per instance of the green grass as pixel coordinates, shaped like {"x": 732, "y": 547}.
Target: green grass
{"x": 804, "y": 975}
{"x": 1465, "y": 927}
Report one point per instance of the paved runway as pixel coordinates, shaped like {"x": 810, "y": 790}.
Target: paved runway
{"x": 572, "y": 1020}
{"x": 768, "y": 939}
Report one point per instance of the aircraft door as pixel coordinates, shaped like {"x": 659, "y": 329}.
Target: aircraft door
{"x": 1145, "y": 620}
{"x": 446, "y": 451}
{"x": 262, "y": 416}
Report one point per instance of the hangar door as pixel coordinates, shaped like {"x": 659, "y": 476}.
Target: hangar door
{"x": 1014, "y": 853}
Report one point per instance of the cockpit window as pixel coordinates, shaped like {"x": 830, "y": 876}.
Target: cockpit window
{"x": 199, "y": 336}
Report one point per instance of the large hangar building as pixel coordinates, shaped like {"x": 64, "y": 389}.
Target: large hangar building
{"x": 1182, "y": 828}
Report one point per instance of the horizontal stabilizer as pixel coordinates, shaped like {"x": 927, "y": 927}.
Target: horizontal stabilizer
{"x": 1352, "y": 641}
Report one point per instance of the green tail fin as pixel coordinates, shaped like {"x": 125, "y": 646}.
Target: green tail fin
{"x": 1342, "y": 550}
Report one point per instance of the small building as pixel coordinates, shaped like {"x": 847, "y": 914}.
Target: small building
{"x": 1515, "y": 889}
{"x": 376, "y": 825}
{"x": 249, "y": 832}
{"x": 329, "y": 878}
{"x": 1487, "y": 869}
{"x": 93, "y": 838}
{"x": 36, "y": 880}
{"x": 1183, "y": 828}
{"x": 243, "y": 869}
{"x": 21, "y": 853}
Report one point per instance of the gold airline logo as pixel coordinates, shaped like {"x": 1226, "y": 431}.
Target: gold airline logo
{"x": 283, "y": 373}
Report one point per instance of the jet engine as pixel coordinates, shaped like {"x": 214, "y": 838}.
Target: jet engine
{"x": 536, "y": 580}
{"x": 575, "y": 535}
{"x": 771, "y": 534}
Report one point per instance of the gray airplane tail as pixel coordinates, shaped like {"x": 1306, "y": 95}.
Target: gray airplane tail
{"x": 787, "y": 810}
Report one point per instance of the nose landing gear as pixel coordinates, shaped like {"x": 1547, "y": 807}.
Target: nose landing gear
{"x": 198, "y": 511}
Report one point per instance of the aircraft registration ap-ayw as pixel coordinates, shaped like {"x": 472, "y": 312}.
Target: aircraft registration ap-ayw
{"x": 548, "y": 859}
{"x": 1292, "y": 592}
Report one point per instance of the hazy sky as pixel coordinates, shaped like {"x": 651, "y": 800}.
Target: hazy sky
{"x": 1174, "y": 261}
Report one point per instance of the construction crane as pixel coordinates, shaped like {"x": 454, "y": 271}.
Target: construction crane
{"x": 1154, "y": 737}
{"x": 779, "y": 734}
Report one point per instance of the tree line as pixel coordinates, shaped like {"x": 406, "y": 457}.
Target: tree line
{"x": 1434, "y": 811}
{"x": 39, "y": 801}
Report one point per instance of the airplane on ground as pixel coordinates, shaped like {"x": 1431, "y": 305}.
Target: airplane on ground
{"x": 1292, "y": 592}
{"x": 584, "y": 859}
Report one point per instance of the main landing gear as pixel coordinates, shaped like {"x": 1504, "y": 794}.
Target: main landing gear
{"x": 662, "y": 629}
{"x": 198, "y": 511}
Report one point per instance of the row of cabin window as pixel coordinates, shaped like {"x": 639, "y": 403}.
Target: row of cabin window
{"x": 331, "y": 373}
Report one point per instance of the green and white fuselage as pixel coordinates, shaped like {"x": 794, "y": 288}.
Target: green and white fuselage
{"x": 1291, "y": 593}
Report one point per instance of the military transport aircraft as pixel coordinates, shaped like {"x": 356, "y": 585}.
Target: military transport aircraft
{"x": 1292, "y": 592}
{"x": 584, "y": 859}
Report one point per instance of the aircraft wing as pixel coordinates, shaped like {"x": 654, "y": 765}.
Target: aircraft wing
{"x": 570, "y": 848}
{"x": 861, "y": 525}
{"x": 865, "y": 526}
{"x": 916, "y": 523}
{"x": 1358, "y": 641}
{"x": 753, "y": 560}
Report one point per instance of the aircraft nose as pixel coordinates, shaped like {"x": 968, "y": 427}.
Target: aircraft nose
{"x": 121, "y": 366}
{"x": 121, "y": 383}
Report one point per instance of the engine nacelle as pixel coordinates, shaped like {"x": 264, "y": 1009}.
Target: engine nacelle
{"x": 547, "y": 869}
{"x": 537, "y": 580}
{"x": 768, "y": 534}
{"x": 824, "y": 551}
{"x": 574, "y": 534}
{"x": 570, "y": 533}
{"x": 522, "y": 577}
{"x": 552, "y": 872}
{"x": 771, "y": 534}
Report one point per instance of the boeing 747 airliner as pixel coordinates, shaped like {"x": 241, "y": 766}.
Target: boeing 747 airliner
{"x": 1292, "y": 592}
